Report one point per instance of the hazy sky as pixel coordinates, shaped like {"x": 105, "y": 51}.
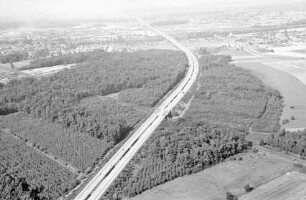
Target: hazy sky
{"x": 88, "y": 8}
{"x": 77, "y": 7}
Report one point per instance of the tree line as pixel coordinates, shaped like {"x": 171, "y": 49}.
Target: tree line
{"x": 13, "y": 57}
{"x": 294, "y": 142}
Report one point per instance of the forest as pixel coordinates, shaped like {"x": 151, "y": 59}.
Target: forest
{"x": 71, "y": 146}
{"x": 15, "y": 187}
{"x": 177, "y": 149}
{"x": 227, "y": 102}
{"x": 67, "y": 111}
{"x": 34, "y": 174}
{"x": 57, "y": 98}
{"x": 231, "y": 96}
{"x": 294, "y": 142}
{"x": 13, "y": 57}
{"x": 69, "y": 115}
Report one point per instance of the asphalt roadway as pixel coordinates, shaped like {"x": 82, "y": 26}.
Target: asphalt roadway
{"x": 104, "y": 178}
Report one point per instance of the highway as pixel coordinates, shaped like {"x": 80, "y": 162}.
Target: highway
{"x": 104, "y": 178}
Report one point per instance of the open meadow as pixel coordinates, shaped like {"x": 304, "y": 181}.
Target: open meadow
{"x": 297, "y": 70}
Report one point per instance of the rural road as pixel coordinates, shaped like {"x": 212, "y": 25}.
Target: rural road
{"x": 104, "y": 178}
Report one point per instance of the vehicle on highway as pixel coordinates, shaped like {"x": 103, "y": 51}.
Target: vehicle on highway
{"x": 99, "y": 184}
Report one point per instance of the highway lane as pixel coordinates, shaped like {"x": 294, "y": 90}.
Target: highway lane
{"x": 99, "y": 184}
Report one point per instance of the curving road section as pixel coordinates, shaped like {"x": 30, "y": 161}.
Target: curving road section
{"x": 104, "y": 178}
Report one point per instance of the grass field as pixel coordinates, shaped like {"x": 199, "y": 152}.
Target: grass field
{"x": 263, "y": 50}
{"x": 213, "y": 183}
{"x": 293, "y": 91}
{"x": 234, "y": 52}
{"x": 6, "y": 73}
{"x": 18, "y": 64}
{"x": 300, "y": 51}
{"x": 297, "y": 63}
{"x": 297, "y": 71}
{"x": 4, "y": 69}
{"x": 287, "y": 187}
{"x": 289, "y": 53}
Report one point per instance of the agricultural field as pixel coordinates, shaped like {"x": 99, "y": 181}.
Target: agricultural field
{"x": 34, "y": 172}
{"x": 298, "y": 63}
{"x": 289, "y": 186}
{"x": 300, "y": 51}
{"x": 229, "y": 176}
{"x": 232, "y": 51}
{"x": 262, "y": 50}
{"x": 292, "y": 54}
{"x": 292, "y": 89}
{"x": 211, "y": 43}
{"x": 297, "y": 71}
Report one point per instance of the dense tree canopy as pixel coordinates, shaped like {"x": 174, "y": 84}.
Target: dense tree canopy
{"x": 53, "y": 113}
{"x": 15, "y": 187}
{"x": 30, "y": 171}
{"x": 177, "y": 149}
{"x": 13, "y": 57}
{"x": 58, "y": 98}
{"x": 294, "y": 142}
{"x": 231, "y": 96}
